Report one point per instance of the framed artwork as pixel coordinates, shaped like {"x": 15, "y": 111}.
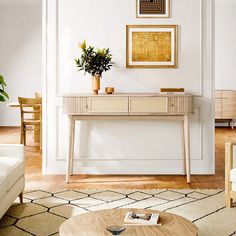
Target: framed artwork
{"x": 153, "y": 8}
{"x": 151, "y": 46}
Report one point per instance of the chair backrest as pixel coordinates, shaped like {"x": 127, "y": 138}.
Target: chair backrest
{"x": 30, "y": 107}
{"x": 38, "y": 95}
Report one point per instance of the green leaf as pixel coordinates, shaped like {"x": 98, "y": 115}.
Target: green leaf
{"x": 4, "y": 93}
{"x": 2, "y": 99}
{"x": 1, "y": 79}
{"x": 2, "y": 82}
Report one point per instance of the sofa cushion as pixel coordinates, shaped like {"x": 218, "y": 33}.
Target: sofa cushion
{"x": 3, "y": 186}
{"x": 12, "y": 169}
{"x": 234, "y": 187}
{"x": 233, "y": 175}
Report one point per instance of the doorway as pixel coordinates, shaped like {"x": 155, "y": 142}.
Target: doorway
{"x": 225, "y": 74}
{"x": 21, "y": 66}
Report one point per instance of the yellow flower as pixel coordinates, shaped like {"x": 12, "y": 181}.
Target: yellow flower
{"x": 101, "y": 51}
{"x": 83, "y": 45}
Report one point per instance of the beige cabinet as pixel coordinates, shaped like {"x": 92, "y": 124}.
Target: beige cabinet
{"x": 228, "y": 105}
{"x": 225, "y": 104}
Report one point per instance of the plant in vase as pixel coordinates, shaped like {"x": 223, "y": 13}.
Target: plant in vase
{"x": 3, "y": 95}
{"x": 94, "y": 62}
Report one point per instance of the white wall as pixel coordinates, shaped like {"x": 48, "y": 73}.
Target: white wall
{"x": 225, "y": 38}
{"x": 20, "y": 53}
{"x": 140, "y": 147}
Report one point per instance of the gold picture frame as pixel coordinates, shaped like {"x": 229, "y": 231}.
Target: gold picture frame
{"x": 153, "y": 9}
{"x": 151, "y": 46}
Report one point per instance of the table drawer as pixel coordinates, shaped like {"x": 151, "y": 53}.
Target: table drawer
{"x": 218, "y": 93}
{"x": 228, "y": 94}
{"x": 148, "y": 105}
{"x": 111, "y": 105}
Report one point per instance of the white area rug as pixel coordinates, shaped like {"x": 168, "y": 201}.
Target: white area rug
{"x": 43, "y": 212}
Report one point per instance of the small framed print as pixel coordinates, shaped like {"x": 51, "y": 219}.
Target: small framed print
{"x": 153, "y": 8}
{"x": 151, "y": 46}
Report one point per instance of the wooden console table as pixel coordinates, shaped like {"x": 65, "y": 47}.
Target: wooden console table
{"x": 129, "y": 107}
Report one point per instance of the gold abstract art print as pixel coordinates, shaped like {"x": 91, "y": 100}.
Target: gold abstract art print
{"x": 151, "y": 46}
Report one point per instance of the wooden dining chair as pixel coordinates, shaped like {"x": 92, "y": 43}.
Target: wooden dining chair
{"x": 37, "y": 131}
{"x": 230, "y": 174}
{"x": 31, "y": 116}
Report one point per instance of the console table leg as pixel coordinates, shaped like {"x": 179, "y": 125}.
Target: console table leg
{"x": 187, "y": 148}
{"x": 72, "y": 145}
{"x": 71, "y": 148}
{"x": 183, "y": 147}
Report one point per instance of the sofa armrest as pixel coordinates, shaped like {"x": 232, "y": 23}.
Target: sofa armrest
{"x": 12, "y": 150}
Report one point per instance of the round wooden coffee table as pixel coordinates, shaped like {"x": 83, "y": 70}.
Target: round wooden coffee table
{"x": 95, "y": 223}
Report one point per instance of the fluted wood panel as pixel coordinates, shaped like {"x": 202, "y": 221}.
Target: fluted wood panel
{"x": 173, "y": 105}
{"x": 74, "y": 105}
{"x": 179, "y": 104}
{"x": 185, "y": 105}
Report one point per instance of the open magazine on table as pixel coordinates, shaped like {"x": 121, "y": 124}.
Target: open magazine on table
{"x": 132, "y": 218}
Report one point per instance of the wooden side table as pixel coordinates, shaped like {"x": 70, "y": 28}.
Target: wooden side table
{"x": 95, "y": 223}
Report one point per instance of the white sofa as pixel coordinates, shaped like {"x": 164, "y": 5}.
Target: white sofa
{"x": 12, "y": 180}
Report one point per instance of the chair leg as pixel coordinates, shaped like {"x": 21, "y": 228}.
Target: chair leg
{"x": 40, "y": 139}
{"x": 229, "y": 201}
{"x": 24, "y": 136}
{"x": 21, "y": 197}
{"x": 228, "y": 167}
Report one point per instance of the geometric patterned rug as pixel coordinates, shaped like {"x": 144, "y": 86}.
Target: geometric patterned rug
{"x": 43, "y": 212}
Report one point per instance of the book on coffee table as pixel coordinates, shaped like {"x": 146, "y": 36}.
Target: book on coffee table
{"x": 132, "y": 218}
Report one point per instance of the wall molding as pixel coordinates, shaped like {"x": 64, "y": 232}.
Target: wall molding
{"x": 20, "y": 1}
{"x": 54, "y": 163}
{"x": 225, "y": 1}
{"x": 57, "y": 51}
{"x": 130, "y": 158}
{"x": 141, "y": 168}
{"x": 57, "y": 56}
{"x": 200, "y": 94}
{"x": 44, "y": 90}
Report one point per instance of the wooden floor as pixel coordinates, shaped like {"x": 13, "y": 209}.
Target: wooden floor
{"x": 35, "y": 180}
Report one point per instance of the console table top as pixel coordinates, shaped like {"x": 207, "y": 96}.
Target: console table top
{"x": 129, "y": 95}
